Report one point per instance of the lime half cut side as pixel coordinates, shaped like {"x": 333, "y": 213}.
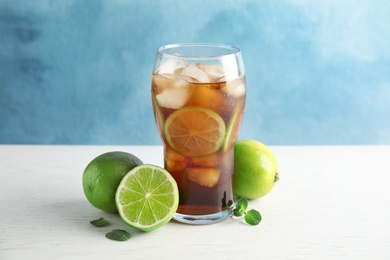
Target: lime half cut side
{"x": 147, "y": 197}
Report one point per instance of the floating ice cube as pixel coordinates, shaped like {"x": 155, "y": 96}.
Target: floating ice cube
{"x": 161, "y": 82}
{"x": 207, "y": 177}
{"x": 175, "y": 95}
{"x": 215, "y": 72}
{"x": 174, "y": 161}
{"x": 231, "y": 69}
{"x": 175, "y": 166}
{"x": 235, "y": 88}
{"x": 194, "y": 72}
{"x": 209, "y": 97}
{"x": 170, "y": 66}
{"x": 207, "y": 161}
{"x": 172, "y": 155}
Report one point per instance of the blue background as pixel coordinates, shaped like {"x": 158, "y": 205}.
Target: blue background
{"x": 79, "y": 72}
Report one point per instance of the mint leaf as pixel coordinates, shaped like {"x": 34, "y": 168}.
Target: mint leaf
{"x": 101, "y": 222}
{"x": 118, "y": 235}
{"x": 242, "y": 204}
{"x": 253, "y": 217}
{"x": 237, "y": 212}
{"x": 240, "y": 208}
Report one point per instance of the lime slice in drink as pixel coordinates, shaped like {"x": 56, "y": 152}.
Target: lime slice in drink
{"x": 147, "y": 197}
{"x": 158, "y": 114}
{"x": 233, "y": 130}
{"x": 194, "y": 131}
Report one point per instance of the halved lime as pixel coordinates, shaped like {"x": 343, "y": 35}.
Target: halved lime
{"x": 194, "y": 131}
{"x": 147, "y": 197}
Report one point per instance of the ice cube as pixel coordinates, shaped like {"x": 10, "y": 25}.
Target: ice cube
{"x": 170, "y": 66}
{"x": 161, "y": 82}
{"x": 175, "y": 166}
{"x": 194, "y": 72}
{"x": 176, "y": 96}
{"x": 207, "y": 177}
{"x": 173, "y": 91}
{"x": 215, "y": 72}
{"x": 230, "y": 67}
{"x": 172, "y": 155}
{"x": 207, "y": 161}
{"x": 235, "y": 88}
{"x": 211, "y": 98}
{"x": 174, "y": 161}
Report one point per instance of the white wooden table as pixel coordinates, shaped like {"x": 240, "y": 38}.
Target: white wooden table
{"x": 332, "y": 202}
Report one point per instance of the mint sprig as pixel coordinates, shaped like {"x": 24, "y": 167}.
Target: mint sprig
{"x": 251, "y": 217}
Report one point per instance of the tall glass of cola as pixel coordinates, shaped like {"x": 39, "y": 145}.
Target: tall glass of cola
{"x": 198, "y": 96}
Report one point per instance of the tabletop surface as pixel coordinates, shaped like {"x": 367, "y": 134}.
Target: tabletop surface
{"x": 332, "y": 202}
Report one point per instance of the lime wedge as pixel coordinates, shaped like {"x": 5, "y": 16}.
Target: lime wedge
{"x": 147, "y": 197}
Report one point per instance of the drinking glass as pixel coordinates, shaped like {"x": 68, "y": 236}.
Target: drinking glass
{"x": 198, "y": 96}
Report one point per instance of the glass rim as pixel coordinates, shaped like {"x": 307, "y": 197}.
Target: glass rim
{"x": 233, "y": 51}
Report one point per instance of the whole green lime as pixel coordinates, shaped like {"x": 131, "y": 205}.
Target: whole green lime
{"x": 102, "y": 176}
{"x": 255, "y": 169}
